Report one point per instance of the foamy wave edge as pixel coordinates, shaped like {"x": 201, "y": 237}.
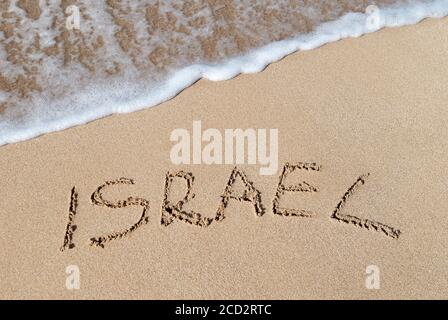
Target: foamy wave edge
{"x": 351, "y": 25}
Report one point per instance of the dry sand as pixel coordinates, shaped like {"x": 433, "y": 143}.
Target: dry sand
{"x": 372, "y": 105}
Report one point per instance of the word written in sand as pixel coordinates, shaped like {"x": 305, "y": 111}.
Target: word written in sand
{"x": 174, "y": 211}
{"x": 220, "y": 150}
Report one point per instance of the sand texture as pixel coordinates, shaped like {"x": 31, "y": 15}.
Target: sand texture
{"x": 363, "y": 126}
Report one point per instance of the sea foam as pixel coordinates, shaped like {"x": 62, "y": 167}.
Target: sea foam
{"x": 120, "y": 65}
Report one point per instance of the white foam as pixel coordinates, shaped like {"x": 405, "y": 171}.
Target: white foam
{"x": 127, "y": 96}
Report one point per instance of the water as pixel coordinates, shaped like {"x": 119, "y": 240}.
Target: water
{"x": 128, "y": 55}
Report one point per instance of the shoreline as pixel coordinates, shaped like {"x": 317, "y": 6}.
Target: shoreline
{"x": 365, "y": 126}
{"x": 105, "y": 94}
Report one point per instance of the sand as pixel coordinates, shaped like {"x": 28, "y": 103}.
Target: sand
{"x": 370, "y": 113}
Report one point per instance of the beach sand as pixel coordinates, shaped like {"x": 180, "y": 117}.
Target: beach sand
{"x": 375, "y": 106}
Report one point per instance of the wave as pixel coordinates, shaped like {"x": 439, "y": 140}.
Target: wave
{"x": 129, "y": 55}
